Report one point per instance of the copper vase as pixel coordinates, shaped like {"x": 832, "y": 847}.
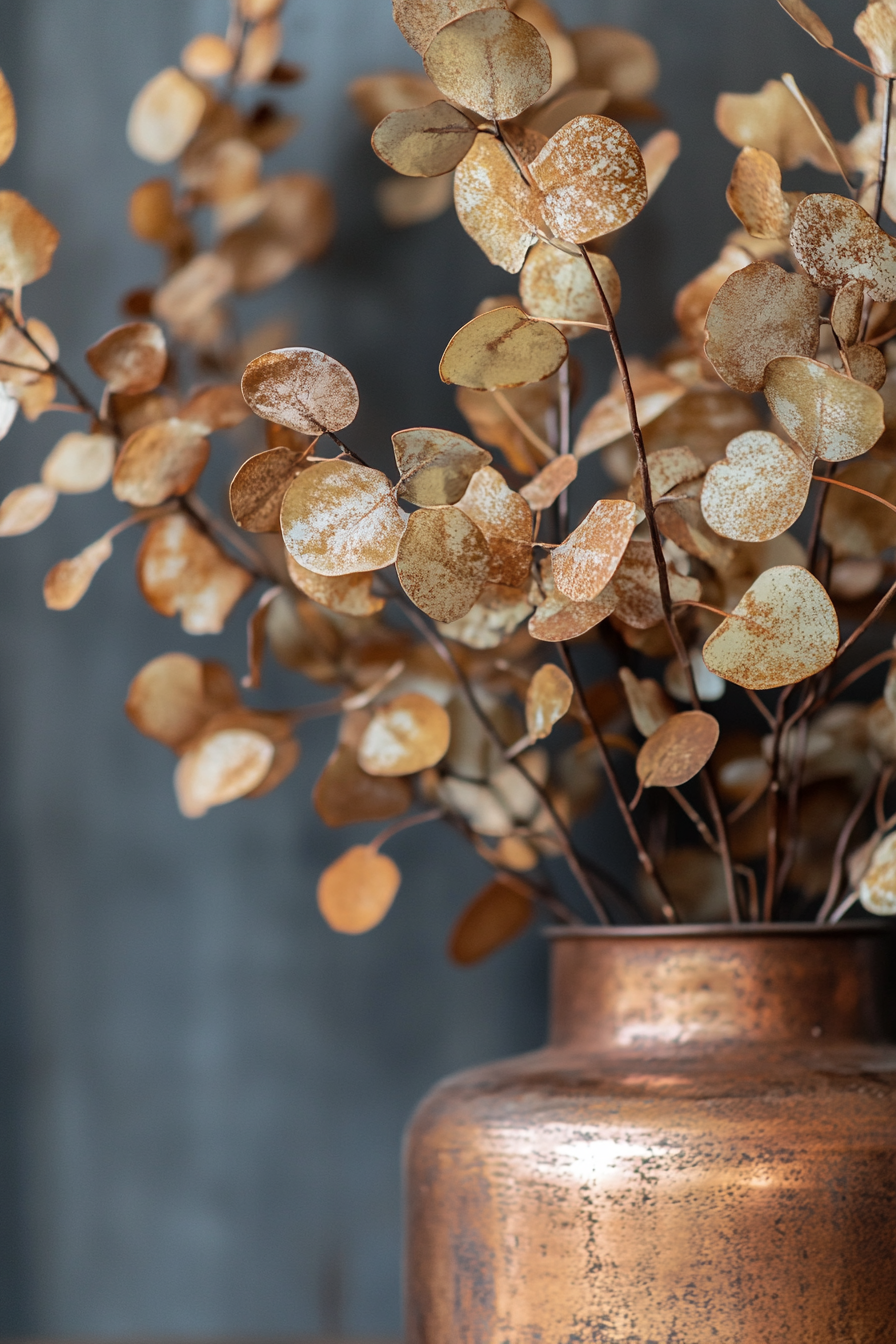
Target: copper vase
{"x": 705, "y": 1151}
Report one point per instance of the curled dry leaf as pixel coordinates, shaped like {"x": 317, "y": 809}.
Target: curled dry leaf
{"x": 492, "y": 619}
{"x": 846, "y": 311}
{"x": 7, "y": 120}
{"x": 491, "y": 61}
{"x": 548, "y": 698}
{"x": 302, "y": 389}
{"x": 424, "y": 141}
{"x": 220, "y": 768}
{"x": 182, "y": 572}
{"x": 190, "y": 293}
{"x": 876, "y": 29}
{"x": 495, "y": 916}
{"x": 27, "y": 242}
{"x": 678, "y": 750}
{"x": 356, "y": 892}
{"x": 79, "y": 463}
{"x": 559, "y": 287}
{"x": 436, "y": 465}
{"x": 257, "y": 489}
{"x": 68, "y": 581}
{"x": 345, "y": 794}
{"x": 774, "y": 121}
{"x": 648, "y": 703}
{"x": 160, "y": 461}
{"x": 207, "y": 56}
{"x": 754, "y": 194}
{"x": 808, "y": 20}
{"x": 153, "y": 216}
{"x": 586, "y": 561}
{"x": 349, "y": 594}
{"x": 542, "y": 491}
{"x": 165, "y": 116}
{"x": 835, "y": 240}
{"x": 760, "y": 312}
{"x": 592, "y": 178}
{"x": 877, "y": 889}
{"x": 658, "y": 154}
{"x": 636, "y": 587}
{"x": 25, "y": 509}
{"x": 420, "y": 20}
{"x": 557, "y": 617}
{"x": 608, "y": 418}
{"x": 828, "y": 414}
{"x": 131, "y": 358}
{"x": 505, "y": 520}
{"x": 759, "y": 490}
{"x": 495, "y": 204}
{"x": 625, "y": 63}
{"x": 443, "y": 562}
{"x": 409, "y": 734}
{"x": 867, "y": 365}
{"x": 502, "y": 348}
{"x": 341, "y": 518}
{"x": 174, "y": 696}
{"x": 782, "y": 630}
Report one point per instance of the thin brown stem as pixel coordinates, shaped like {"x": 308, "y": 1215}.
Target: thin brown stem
{"x": 880, "y": 797}
{"x": 418, "y": 819}
{"x": 868, "y": 621}
{"x": 746, "y": 804}
{"x": 886, "y": 656}
{"x": 694, "y": 816}
{"x": 843, "y": 840}
{"x": 774, "y": 789}
{"x": 527, "y": 431}
{"x": 762, "y": 708}
{"x": 564, "y": 412}
{"x": 884, "y": 151}
{"x": 53, "y": 365}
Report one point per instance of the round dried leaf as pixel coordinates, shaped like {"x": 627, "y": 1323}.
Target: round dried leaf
{"x": 355, "y": 893}
{"x": 436, "y": 465}
{"x": 559, "y": 618}
{"x": 68, "y": 581}
{"x": 173, "y": 697}
{"x": 648, "y": 703}
{"x": 344, "y": 795}
{"x": 160, "y": 461}
{"x": 782, "y": 630}
{"x": 495, "y": 204}
{"x": 505, "y": 520}
{"x": 758, "y": 491}
{"x": 754, "y": 194}
{"x": 545, "y": 488}
{"x": 492, "y": 619}
{"x": 79, "y": 463}
{"x": 375, "y": 96}
{"x": 260, "y": 51}
{"x": 341, "y": 518}
{"x": 625, "y": 63}
{"x": 592, "y": 178}
{"x": 257, "y": 490}
{"x": 559, "y": 287}
{"x": 847, "y": 310}
{"x": 867, "y": 365}
{"x": 409, "y": 734}
{"x": 442, "y": 562}
{"x": 759, "y": 313}
{"x": 302, "y": 389}
{"x": 828, "y": 414}
{"x": 835, "y": 240}
{"x": 27, "y": 241}
{"x": 503, "y": 348}
{"x": 586, "y": 561}
{"x": 190, "y": 294}
{"x": 636, "y": 587}
{"x": 182, "y": 572}
{"x": 207, "y": 56}
{"x": 877, "y": 889}
{"x": 678, "y": 750}
{"x": 7, "y": 120}
{"x": 608, "y": 418}
{"x": 349, "y": 594}
{"x": 295, "y": 227}
{"x": 25, "y": 509}
{"x": 165, "y": 116}
{"x": 220, "y": 406}
{"x": 548, "y": 698}
{"x": 659, "y": 153}
{"x": 131, "y": 358}
{"x": 220, "y": 768}
{"x": 424, "y": 141}
{"x": 580, "y": 103}
{"x": 420, "y": 20}
{"x": 495, "y": 916}
{"x": 491, "y": 61}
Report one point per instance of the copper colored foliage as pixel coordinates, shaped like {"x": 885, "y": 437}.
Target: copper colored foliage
{"x": 495, "y": 916}
{"x": 677, "y": 750}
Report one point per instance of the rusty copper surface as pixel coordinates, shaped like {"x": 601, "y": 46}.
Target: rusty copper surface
{"x": 705, "y": 1152}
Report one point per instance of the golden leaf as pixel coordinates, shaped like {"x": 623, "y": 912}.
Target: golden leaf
{"x": 636, "y": 586}
{"x": 68, "y": 581}
{"x": 349, "y": 594}
{"x": 165, "y": 116}
{"x": 160, "y": 461}
{"x": 492, "y": 619}
{"x": 345, "y": 794}
{"x": 592, "y": 178}
{"x": 356, "y": 892}
{"x": 435, "y": 465}
{"x": 25, "y": 509}
{"x": 207, "y": 56}
{"x": 548, "y": 698}
{"x": 876, "y": 29}
{"x": 505, "y": 520}
{"x": 131, "y": 358}
{"x": 828, "y": 414}
{"x": 341, "y": 518}
{"x": 586, "y": 561}
{"x": 302, "y": 389}
{"x": 754, "y": 194}
{"x": 408, "y": 734}
{"x": 27, "y": 241}
{"x": 182, "y": 572}
{"x": 7, "y": 120}
{"x": 542, "y": 491}
{"x": 190, "y": 293}
{"x": 79, "y": 463}
{"x": 559, "y": 618}
{"x": 375, "y": 96}
{"x": 759, "y": 313}
{"x": 774, "y": 121}
{"x": 854, "y": 525}
{"x": 220, "y": 768}
{"x": 495, "y": 916}
{"x": 608, "y": 418}
{"x": 490, "y": 61}
{"x": 625, "y": 63}
{"x": 257, "y": 489}
{"x": 808, "y": 20}
{"x": 759, "y": 490}
{"x": 424, "y": 141}
{"x": 260, "y": 51}
{"x": 174, "y": 696}
{"x": 443, "y": 562}
{"x": 495, "y": 204}
{"x": 678, "y": 750}
{"x": 835, "y": 240}
{"x": 648, "y": 703}
{"x": 559, "y": 287}
{"x": 502, "y": 348}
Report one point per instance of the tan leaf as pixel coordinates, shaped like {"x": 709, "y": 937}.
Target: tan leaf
{"x": 375, "y": 96}
{"x": 774, "y": 121}
{"x": 303, "y": 637}
{"x": 808, "y": 20}
{"x": 256, "y": 10}
{"x": 854, "y": 525}
{"x": 162, "y": 460}
{"x": 760, "y": 312}
{"x": 356, "y": 892}
{"x": 295, "y": 227}
{"x": 492, "y": 619}
{"x": 666, "y": 468}
{"x": 349, "y": 594}
{"x": 68, "y": 581}
{"x": 608, "y": 418}
{"x": 852, "y": 579}
{"x": 207, "y": 56}
{"x": 443, "y": 562}
{"x": 131, "y": 358}
{"x": 191, "y": 292}
{"x": 165, "y": 116}
{"x": 648, "y": 703}
{"x": 876, "y": 29}
{"x": 877, "y": 889}
{"x": 623, "y": 62}
{"x": 658, "y": 155}
{"x": 495, "y": 204}
{"x": 219, "y": 406}
{"x": 478, "y": 804}
{"x": 505, "y": 520}
{"x": 548, "y": 698}
{"x": 132, "y": 413}
{"x": 420, "y": 20}
{"x": 846, "y": 311}
{"x": 257, "y": 489}
{"x": 592, "y": 178}
{"x": 405, "y": 201}
{"x": 559, "y": 287}
{"x": 532, "y": 407}
{"x": 435, "y": 465}
{"x": 636, "y": 587}
{"x": 153, "y": 217}
{"x": 758, "y": 491}
{"x": 586, "y": 561}
{"x": 495, "y": 916}
{"x": 409, "y": 734}
{"x": 559, "y": 618}
{"x": 782, "y": 630}
{"x": 580, "y": 103}
{"x": 491, "y": 61}
{"x": 424, "y": 141}
{"x": 79, "y": 463}
{"x": 260, "y": 51}
{"x": 27, "y": 241}
{"x": 173, "y": 697}
{"x": 25, "y": 509}
{"x": 502, "y": 348}
{"x": 827, "y": 414}
{"x": 341, "y": 518}
{"x": 221, "y": 767}
{"x": 182, "y": 572}
{"x": 286, "y": 758}
{"x": 754, "y": 194}
{"x": 867, "y": 365}
{"x": 678, "y": 750}
{"x": 542, "y": 491}
{"x": 693, "y": 300}
{"x": 345, "y": 794}
{"x": 7, "y": 120}
{"x": 302, "y": 389}
{"x": 835, "y": 240}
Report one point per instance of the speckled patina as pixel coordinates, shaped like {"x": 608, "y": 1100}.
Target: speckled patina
{"x": 706, "y": 1151}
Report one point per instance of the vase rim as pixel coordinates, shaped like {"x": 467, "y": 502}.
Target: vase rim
{"x": 671, "y": 931}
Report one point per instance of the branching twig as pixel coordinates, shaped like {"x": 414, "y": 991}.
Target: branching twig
{"x": 53, "y": 365}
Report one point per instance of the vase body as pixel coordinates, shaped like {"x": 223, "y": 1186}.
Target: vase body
{"x": 705, "y": 1151}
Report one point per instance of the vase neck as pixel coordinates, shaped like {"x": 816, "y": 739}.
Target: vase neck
{"x": 659, "y": 991}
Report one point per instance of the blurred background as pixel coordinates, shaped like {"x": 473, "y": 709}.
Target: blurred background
{"x": 202, "y": 1088}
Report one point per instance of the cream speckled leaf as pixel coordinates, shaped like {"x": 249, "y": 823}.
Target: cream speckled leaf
{"x": 759, "y": 490}
{"x": 131, "y": 358}
{"x": 341, "y": 518}
{"x": 220, "y": 768}
{"x": 548, "y": 698}
{"x": 678, "y": 750}
{"x": 27, "y": 241}
{"x": 424, "y": 141}
{"x": 490, "y": 61}
{"x": 495, "y": 204}
{"x": 492, "y": 618}
{"x": 302, "y": 389}
{"x": 165, "y": 116}
{"x": 409, "y": 734}
{"x": 79, "y": 463}
{"x": 443, "y": 562}
{"x": 877, "y": 889}
{"x": 356, "y": 892}
{"x": 68, "y": 581}
{"x": 636, "y": 587}
{"x": 586, "y": 561}
{"x": 754, "y": 194}
{"x": 349, "y": 594}
{"x": 435, "y": 464}
{"x": 7, "y": 119}
{"x": 505, "y": 520}
{"x": 559, "y": 618}
{"x": 502, "y": 348}
{"x": 257, "y": 489}
{"x": 876, "y": 29}
{"x": 759, "y": 313}
{"x": 835, "y": 240}
{"x": 182, "y": 572}
{"x": 782, "y": 630}
{"x": 559, "y": 287}
{"x": 648, "y": 703}
{"x": 592, "y": 178}
{"x": 24, "y": 509}
{"x": 827, "y": 413}
{"x": 666, "y": 468}
{"x": 161, "y": 460}
{"x": 420, "y": 20}
{"x": 551, "y": 481}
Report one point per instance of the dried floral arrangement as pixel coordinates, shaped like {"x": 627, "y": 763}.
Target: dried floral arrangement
{"x": 739, "y": 567}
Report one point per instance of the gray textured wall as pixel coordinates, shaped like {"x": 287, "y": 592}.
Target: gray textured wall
{"x": 202, "y": 1088}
